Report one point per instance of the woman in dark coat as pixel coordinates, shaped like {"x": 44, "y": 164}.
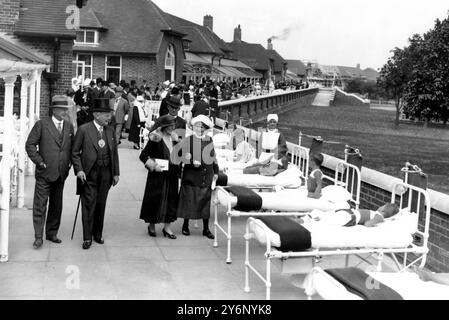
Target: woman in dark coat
{"x": 160, "y": 200}
{"x": 138, "y": 121}
{"x": 199, "y": 176}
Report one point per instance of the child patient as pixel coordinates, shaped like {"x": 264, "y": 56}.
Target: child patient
{"x": 352, "y": 217}
{"x": 314, "y": 183}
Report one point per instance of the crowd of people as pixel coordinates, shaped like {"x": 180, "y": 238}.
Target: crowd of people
{"x": 180, "y": 178}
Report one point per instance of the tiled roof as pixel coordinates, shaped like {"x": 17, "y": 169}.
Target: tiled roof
{"x": 279, "y": 62}
{"x": 371, "y": 74}
{"x": 133, "y": 26}
{"x": 15, "y": 52}
{"x": 351, "y": 72}
{"x": 297, "y": 67}
{"x": 252, "y": 54}
{"x": 90, "y": 20}
{"x": 44, "y": 17}
{"x": 203, "y": 40}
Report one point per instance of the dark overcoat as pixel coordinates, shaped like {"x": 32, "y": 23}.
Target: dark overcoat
{"x": 160, "y": 200}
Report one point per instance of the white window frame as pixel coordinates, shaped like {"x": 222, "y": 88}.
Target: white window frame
{"x": 91, "y": 66}
{"x": 172, "y": 67}
{"x": 96, "y": 36}
{"x": 106, "y": 65}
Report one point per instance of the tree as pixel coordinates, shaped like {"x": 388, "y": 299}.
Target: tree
{"x": 395, "y": 75}
{"x": 427, "y": 94}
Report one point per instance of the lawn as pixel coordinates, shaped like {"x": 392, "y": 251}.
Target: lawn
{"x": 384, "y": 147}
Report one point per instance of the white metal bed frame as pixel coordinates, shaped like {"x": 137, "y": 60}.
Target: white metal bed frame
{"x": 341, "y": 178}
{"x": 420, "y": 250}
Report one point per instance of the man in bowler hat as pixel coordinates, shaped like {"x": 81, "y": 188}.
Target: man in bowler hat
{"x": 96, "y": 163}
{"x": 49, "y": 146}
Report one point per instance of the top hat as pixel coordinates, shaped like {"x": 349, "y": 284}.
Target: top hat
{"x": 101, "y": 105}
{"x": 174, "y": 101}
{"x": 60, "y": 102}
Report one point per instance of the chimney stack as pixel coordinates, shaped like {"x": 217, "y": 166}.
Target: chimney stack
{"x": 270, "y": 44}
{"x": 238, "y": 34}
{"x": 358, "y": 66}
{"x": 208, "y": 22}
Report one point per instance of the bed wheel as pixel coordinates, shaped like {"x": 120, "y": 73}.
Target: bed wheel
{"x": 228, "y": 261}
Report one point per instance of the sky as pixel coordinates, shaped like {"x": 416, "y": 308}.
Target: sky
{"x": 330, "y": 32}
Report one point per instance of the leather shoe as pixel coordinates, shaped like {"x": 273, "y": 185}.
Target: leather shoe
{"x": 87, "y": 244}
{"x": 208, "y": 234}
{"x": 53, "y": 239}
{"x": 38, "y": 243}
{"x": 151, "y": 233}
{"x": 99, "y": 240}
{"x": 169, "y": 235}
{"x": 186, "y": 231}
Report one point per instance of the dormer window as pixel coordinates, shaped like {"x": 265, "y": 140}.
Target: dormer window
{"x": 86, "y": 37}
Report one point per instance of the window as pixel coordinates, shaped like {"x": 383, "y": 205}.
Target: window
{"x": 87, "y": 59}
{"x": 170, "y": 62}
{"x": 113, "y": 69}
{"x": 186, "y": 45}
{"x": 86, "y": 37}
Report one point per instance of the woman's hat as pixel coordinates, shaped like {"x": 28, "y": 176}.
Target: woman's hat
{"x": 60, "y": 102}
{"x": 140, "y": 99}
{"x": 174, "y": 101}
{"x": 163, "y": 122}
{"x": 101, "y": 105}
{"x": 203, "y": 119}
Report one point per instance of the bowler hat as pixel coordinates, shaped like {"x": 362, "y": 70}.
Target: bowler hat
{"x": 101, "y": 105}
{"x": 163, "y": 122}
{"x": 60, "y": 102}
{"x": 173, "y": 101}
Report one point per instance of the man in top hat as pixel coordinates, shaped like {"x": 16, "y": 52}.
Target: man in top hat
{"x": 49, "y": 146}
{"x": 96, "y": 163}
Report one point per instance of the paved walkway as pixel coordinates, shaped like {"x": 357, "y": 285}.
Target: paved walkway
{"x": 130, "y": 265}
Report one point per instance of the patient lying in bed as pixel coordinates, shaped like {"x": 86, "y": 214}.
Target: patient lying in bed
{"x": 352, "y": 217}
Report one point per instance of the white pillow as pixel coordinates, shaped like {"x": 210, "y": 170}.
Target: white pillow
{"x": 335, "y": 194}
{"x": 403, "y": 220}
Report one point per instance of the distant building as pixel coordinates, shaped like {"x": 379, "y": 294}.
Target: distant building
{"x": 297, "y": 69}
{"x": 328, "y": 76}
{"x": 267, "y": 61}
{"x": 136, "y": 40}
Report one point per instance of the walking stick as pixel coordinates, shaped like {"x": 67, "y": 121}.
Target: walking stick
{"x": 76, "y": 216}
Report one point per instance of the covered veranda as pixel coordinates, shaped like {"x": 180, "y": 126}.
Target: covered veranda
{"x": 16, "y": 62}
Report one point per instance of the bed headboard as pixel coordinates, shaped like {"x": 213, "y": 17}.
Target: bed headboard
{"x": 416, "y": 197}
{"x": 349, "y": 177}
{"x": 300, "y": 158}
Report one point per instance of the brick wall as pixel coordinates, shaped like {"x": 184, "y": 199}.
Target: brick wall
{"x": 160, "y": 59}
{"x": 64, "y": 67}
{"x": 9, "y": 14}
{"x": 139, "y": 69}
{"x": 133, "y": 68}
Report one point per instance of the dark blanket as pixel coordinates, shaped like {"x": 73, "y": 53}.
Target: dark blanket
{"x": 247, "y": 199}
{"x": 359, "y": 283}
{"x": 222, "y": 180}
{"x": 294, "y": 237}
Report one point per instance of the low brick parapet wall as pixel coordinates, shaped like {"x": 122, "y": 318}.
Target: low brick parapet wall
{"x": 376, "y": 191}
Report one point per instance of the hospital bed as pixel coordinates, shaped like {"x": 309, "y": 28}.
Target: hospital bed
{"x": 291, "y": 203}
{"x": 403, "y": 234}
{"x": 407, "y": 284}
